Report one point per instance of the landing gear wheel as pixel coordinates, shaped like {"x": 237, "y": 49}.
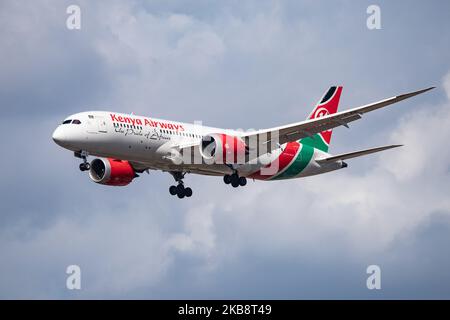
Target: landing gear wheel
{"x": 227, "y": 179}
{"x": 188, "y": 192}
{"x": 180, "y": 188}
{"x": 173, "y": 190}
{"x": 181, "y": 192}
{"x": 234, "y": 180}
{"x": 84, "y": 166}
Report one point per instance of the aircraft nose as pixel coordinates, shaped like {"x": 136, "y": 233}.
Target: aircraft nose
{"x": 58, "y": 136}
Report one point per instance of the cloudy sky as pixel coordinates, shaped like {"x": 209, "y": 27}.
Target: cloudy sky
{"x": 233, "y": 64}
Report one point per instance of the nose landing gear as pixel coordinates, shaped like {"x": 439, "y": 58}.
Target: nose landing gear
{"x": 180, "y": 190}
{"x": 85, "y": 166}
{"x": 235, "y": 180}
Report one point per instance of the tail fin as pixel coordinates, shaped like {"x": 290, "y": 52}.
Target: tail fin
{"x": 327, "y": 105}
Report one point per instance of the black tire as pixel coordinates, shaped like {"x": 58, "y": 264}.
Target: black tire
{"x": 234, "y": 179}
{"x": 87, "y": 166}
{"x": 235, "y": 183}
{"x": 242, "y": 181}
{"x": 180, "y": 188}
{"x": 227, "y": 179}
{"x": 82, "y": 167}
{"x": 173, "y": 190}
{"x": 188, "y": 192}
{"x": 181, "y": 191}
{"x": 181, "y": 194}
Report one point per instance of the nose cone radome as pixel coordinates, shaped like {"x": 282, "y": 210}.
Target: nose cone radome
{"x": 58, "y": 136}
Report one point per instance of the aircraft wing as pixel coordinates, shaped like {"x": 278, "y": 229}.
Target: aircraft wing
{"x": 274, "y": 137}
{"x": 355, "y": 154}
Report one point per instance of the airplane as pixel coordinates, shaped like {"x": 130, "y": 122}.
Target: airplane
{"x": 126, "y": 145}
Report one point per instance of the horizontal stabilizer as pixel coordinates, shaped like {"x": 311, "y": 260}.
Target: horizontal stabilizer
{"x": 355, "y": 154}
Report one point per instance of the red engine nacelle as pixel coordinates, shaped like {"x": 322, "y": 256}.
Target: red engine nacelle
{"x": 111, "y": 172}
{"x": 223, "y": 148}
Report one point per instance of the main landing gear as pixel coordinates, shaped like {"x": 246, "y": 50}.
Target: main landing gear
{"x": 235, "y": 180}
{"x": 180, "y": 190}
{"x": 85, "y": 166}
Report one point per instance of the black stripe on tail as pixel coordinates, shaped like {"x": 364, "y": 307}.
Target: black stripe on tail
{"x": 328, "y": 95}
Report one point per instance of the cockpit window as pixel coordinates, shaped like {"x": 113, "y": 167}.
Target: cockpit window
{"x": 76, "y": 121}
{"x": 67, "y": 121}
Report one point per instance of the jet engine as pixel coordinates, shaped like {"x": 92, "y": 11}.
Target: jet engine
{"x": 223, "y": 148}
{"x": 111, "y": 172}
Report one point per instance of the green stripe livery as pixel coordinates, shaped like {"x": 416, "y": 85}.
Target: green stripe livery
{"x": 302, "y": 159}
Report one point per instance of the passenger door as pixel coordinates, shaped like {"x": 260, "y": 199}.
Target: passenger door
{"x": 101, "y": 123}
